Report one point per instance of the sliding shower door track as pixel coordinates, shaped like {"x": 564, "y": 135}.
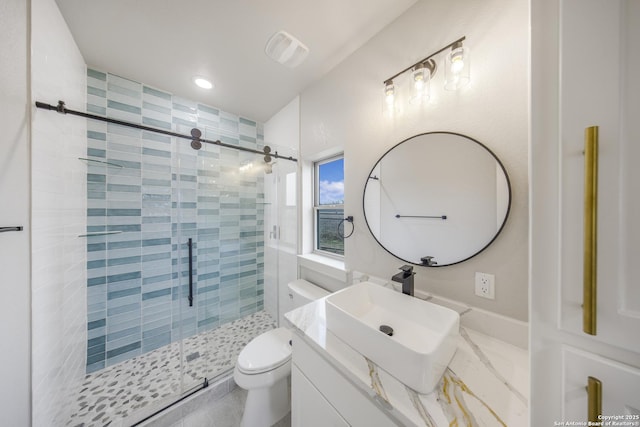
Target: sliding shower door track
{"x": 194, "y": 137}
{"x": 196, "y": 389}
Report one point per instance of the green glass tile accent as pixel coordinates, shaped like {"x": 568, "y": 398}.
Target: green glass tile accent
{"x": 93, "y": 152}
{"x": 97, "y": 92}
{"x": 122, "y": 350}
{"x": 123, "y": 293}
{"x": 100, "y": 136}
{"x": 156, "y": 294}
{"x": 247, "y": 139}
{"x": 156, "y": 279}
{"x": 97, "y": 324}
{"x": 179, "y": 121}
{"x": 156, "y": 92}
{"x": 100, "y": 111}
{"x": 158, "y": 108}
{"x": 122, "y": 277}
{"x": 96, "y": 264}
{"x": 208, "y": 109}
{"x": 156, "y": 123}
{"x": 156, "y": 153}
{"x": 124, "y": 212}
{"x": 152, "y": 136}
{"x": 125, "y": 308}
{"x": 156, "y": 242}
{"x": 124, "y": 188}
{"x": 123, "y": 261}
{"x": 183, "y": 108}
{"x": 96, "y": 74}
{"x": 96, "y": 281}
{"x": 123, "y": 107}
{"x": 96, "y": 247}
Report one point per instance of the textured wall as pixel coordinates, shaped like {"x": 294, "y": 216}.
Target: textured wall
{"x": 163, "y": 194}
{"x": 344, "y": 111}
{"x": 15, "y": 313}
{"x": 58, "y": 217}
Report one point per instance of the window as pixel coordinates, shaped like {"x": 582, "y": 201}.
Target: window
{"x": 328, "y": 206}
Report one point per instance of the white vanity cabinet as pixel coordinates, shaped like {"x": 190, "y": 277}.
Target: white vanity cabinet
{"x": 308, "y": 405}
{"x": 585, "y": 68}
{"x": 322, "y": 397}
{"x": 619, "y": 384}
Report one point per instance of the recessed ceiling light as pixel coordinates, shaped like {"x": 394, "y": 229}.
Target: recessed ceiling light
{"x": 202, "y": 82}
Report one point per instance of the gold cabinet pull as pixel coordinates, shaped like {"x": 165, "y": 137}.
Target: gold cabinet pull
{"x": 590, "y": 297}
{"x": 594, "y": 399}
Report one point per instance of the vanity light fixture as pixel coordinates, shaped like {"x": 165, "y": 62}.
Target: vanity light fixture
{"x": 457, "y": 74}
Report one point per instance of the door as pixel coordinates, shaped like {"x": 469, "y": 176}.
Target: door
{"x": 600, "y": 62}
{"x": 585, "y": 58}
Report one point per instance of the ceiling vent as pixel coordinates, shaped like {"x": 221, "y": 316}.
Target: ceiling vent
{"x": 286, "y": 49}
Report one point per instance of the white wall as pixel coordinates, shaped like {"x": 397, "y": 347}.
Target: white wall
{"x": 344, "y": 111}
{"x": 282, "y": 133}
{"x": 58, "y": 217}
{"x": 15, "y": 310}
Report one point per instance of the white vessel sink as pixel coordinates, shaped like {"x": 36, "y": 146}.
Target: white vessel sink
{"x": 424, "y": 334}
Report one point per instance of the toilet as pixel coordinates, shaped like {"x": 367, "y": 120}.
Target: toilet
{"x": 264, "y": 366}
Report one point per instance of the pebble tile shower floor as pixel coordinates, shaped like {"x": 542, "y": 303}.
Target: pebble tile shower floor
{"x": 109, "y": 396}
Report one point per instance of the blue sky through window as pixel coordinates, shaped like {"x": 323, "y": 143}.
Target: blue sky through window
{"x": 331, "y": 182}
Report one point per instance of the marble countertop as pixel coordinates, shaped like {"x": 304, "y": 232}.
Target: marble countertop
{"x": 486, "y": 383}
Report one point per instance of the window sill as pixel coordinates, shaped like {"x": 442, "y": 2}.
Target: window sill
{"x": 330, "y": 266}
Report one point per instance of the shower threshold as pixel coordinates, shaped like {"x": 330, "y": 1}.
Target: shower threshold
{"x": 124, "y": 393}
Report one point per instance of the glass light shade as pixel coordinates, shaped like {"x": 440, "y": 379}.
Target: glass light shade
{"x": 457, "y": 68}
{"x": 389, "y": 99}
{"x": 420, "y": 83}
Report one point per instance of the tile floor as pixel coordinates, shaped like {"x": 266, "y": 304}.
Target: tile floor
{"x": 129, "y": 391}
{"x": 210, "y": 410}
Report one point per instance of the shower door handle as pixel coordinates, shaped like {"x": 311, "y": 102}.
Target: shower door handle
{"x": 190, "y": 244}
{"x": 4, "y": 229}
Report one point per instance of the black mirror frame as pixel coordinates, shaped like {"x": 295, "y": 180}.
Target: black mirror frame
{"x": 506, "y": 216}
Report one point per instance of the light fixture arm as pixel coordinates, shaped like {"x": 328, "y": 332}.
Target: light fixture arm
{"x": 459, "y": 42}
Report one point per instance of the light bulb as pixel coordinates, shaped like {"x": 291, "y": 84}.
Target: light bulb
{"x": 457, "y": 64}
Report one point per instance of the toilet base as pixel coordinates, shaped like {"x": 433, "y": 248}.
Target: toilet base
{"x": 267, "y": 405}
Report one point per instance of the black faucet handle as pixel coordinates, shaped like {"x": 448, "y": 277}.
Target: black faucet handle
{"x": 407, "y": 269}
{"x": 428, "y": 261}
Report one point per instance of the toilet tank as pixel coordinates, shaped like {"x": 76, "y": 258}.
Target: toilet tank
{"x": 303, "y": 292}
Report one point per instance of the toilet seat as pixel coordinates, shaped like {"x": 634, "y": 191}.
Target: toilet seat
{"x": 265, "y": 352}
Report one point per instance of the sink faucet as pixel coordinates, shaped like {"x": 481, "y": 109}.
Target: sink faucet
{"x": 406, "y": 278}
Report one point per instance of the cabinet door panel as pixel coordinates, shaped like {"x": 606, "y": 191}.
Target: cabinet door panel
{"x": 308, "y": 407}
{"x": 600, "y": 62}
{"x": 620, "y": 386}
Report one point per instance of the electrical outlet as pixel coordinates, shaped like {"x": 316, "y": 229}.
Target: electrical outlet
{"x": 485, "y": 285}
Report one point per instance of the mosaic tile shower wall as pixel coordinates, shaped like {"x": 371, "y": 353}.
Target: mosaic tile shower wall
{"x": 147, "y": 195}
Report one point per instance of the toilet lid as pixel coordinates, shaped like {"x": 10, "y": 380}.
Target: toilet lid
{"x": 266, "y": 351}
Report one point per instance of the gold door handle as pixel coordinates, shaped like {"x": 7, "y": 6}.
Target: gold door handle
{"x": 590, "y": 286}
{"x": 594, "y": 399}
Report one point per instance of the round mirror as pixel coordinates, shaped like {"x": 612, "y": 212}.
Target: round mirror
{"x": 437, "y": 199}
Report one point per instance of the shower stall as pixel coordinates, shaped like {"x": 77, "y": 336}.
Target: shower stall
{"x": 182, "y": 241}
